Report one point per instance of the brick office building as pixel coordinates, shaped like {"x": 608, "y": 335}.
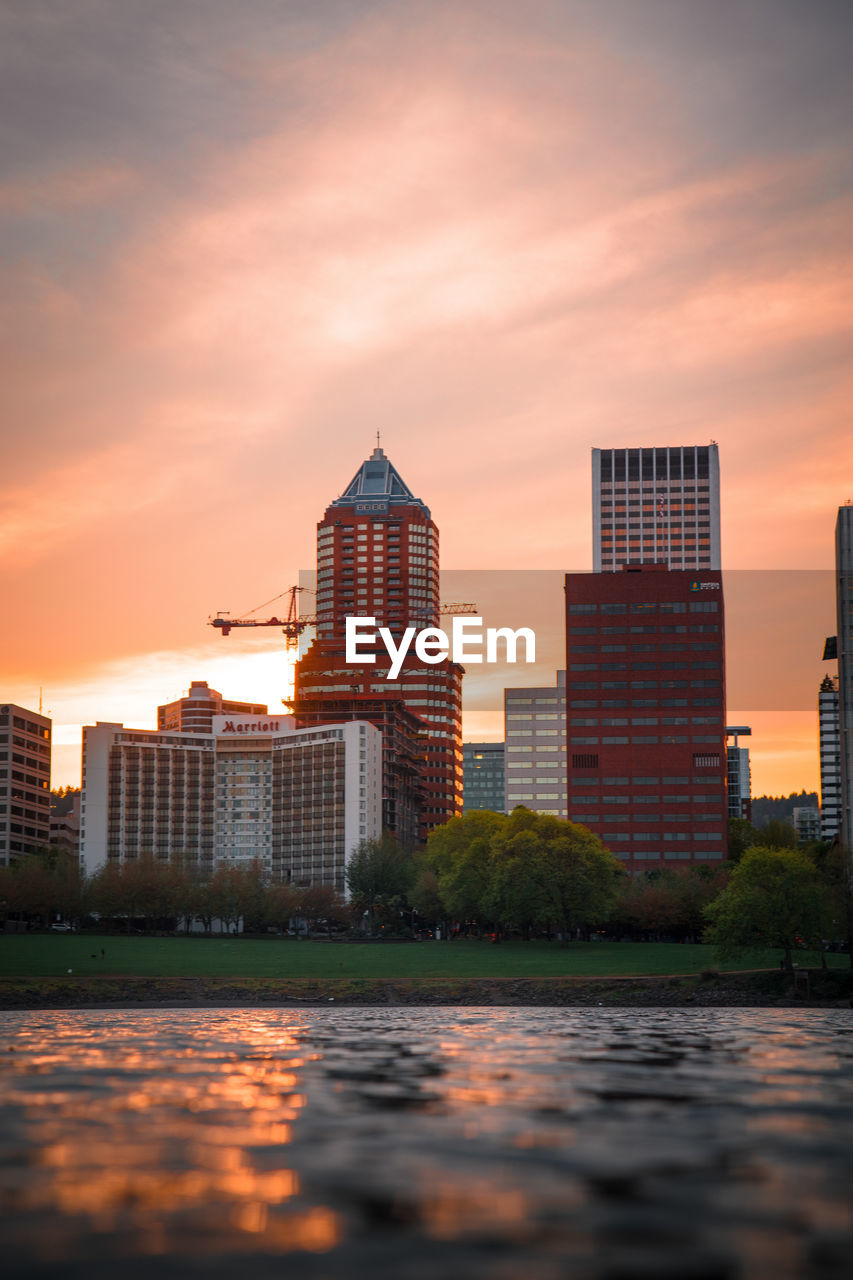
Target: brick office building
{"x": 645, "y": 710}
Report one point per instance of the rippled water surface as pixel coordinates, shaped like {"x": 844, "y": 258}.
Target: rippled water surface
{"x": 546, "y": 1143}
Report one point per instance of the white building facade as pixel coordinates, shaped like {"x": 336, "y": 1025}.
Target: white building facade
{"x": 535, "y": 747}
{"x": 656, "y": 505}
{"x": 296, "y": 801}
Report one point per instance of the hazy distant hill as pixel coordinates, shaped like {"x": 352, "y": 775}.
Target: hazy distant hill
{"x": 764, "y": 808}
{"x": 61, "y": 801}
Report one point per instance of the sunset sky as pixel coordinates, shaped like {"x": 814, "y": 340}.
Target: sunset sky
{"x": 237, "y": 240}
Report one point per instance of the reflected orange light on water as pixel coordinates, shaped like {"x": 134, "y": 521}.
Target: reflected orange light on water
{"x": 186, "y": 1158}
{"x": 215, "y": 1137}
{"x": 460, "y": 1208}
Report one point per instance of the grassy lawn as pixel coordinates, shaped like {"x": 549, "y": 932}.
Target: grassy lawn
{"x": 51, "y": 955}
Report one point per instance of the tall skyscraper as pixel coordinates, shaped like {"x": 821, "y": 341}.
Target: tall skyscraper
{"x": 645, "y": 692}
{"x": 378, "y": 557}
{"x": 195, "y": 712}
{"x": 656, "y": 506}
{"x": 535, "y": 736}
{"x": 844, "y": 609}
{"x": 830, "y": 758}
{"x": 24, "y": 781}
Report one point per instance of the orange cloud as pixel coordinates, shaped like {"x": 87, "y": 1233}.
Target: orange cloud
{"x": 500, "y": 241}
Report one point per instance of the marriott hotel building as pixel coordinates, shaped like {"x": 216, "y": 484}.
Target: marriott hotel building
{"x": 297, "y": 801}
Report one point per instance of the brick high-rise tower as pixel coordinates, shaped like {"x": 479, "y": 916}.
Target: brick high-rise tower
{"x": 646, "y": 703}
{"x": 377, "y": 557}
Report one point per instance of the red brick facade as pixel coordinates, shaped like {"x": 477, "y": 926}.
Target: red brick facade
{"x": 378, "y": 557}
{"x": 645, "y": 712}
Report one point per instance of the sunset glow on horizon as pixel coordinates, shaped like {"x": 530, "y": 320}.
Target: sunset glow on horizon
{"x": 237, "y": 242}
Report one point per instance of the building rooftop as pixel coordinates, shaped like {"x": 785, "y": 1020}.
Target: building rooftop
{"x": 377, "y": 480}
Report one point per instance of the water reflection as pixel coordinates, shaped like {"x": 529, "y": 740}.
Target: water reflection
{"x": 487, "y": 1143}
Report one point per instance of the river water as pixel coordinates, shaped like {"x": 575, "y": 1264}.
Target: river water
{"x": 427, "y": 1144}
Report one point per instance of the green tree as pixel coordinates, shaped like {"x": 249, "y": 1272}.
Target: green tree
{"x": 669, "y": 903}
{"x": 204, "y": 899}
{"x": 515, "y": 895}
{"x": 43, "y": 883}
{"x": 460, "y": 853}
{"x": 425, "y": 896}
{"x": 143, "y": 888}
{"x": 379, "y": 876}
{"x": 236, "y": 893}
{"x": 742, "y": 835}
{"x": 158, "y": 891}
{"x": 777, "y": 834}
{"x": 582, "y": 877}
{"x": 773, "y": 899}
{"x": 284, "y": 903}
{"x": 322, "y": 904}
{"x": 833, "y": 868}
{"x": 649, "y": 904}
{"x": 523, "y": 871}
{"x": 188, "y": 885}
{"x": 106, "y": 891}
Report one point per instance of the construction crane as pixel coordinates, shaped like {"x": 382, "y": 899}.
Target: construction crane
{"x": 294, "y": 623}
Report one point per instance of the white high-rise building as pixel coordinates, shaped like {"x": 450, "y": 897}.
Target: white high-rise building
{"x": 535, "y": 747}
{"x": 297, "y": 801}
{"x": 656, "y": 505}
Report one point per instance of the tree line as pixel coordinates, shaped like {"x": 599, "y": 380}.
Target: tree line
{"x": 486, "y": 873}
{"x": 154, "y": 895}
